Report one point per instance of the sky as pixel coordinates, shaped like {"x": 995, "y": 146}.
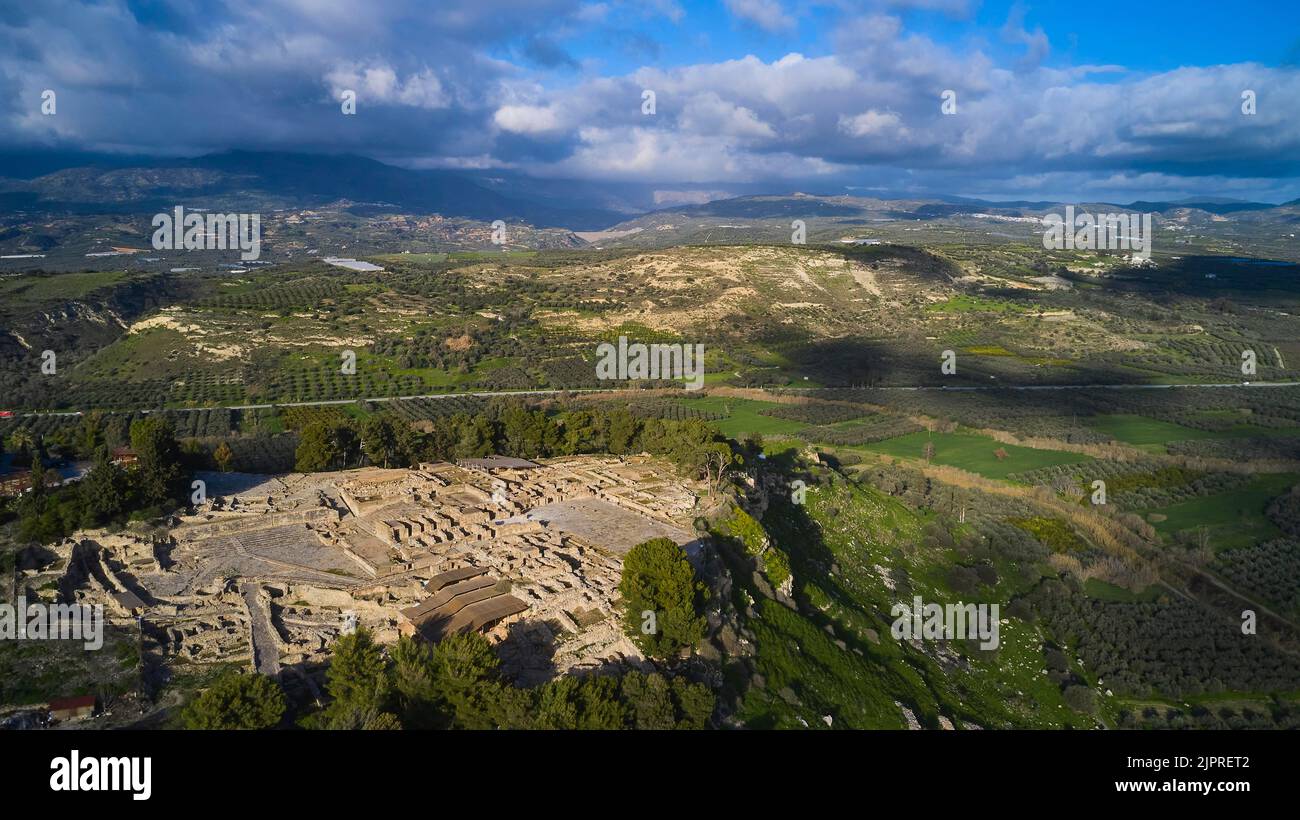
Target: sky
{"x": 1046, "y": 100}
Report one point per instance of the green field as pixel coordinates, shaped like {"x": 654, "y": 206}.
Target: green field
{"x": 1235, "y": 518}
{"x": 412, "y": 257}
{"x": 963, "y": 303}
{"x": 1104, "y": 591}
{"x": 974, "y": 453}
{"x": 1153, "y": 434}
{"x": 1143, "y": 431}
{"x": 742, "y": 416}
{"x": 63, "y": 286}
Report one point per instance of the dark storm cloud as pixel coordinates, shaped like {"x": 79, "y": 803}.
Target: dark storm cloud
{"x": 545, "y": 52}
{"x": 433, "y": 88}
{"x": 185, "y": 77}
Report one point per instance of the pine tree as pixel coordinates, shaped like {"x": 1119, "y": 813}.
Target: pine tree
{"x": 237, "y": 701}
{"x": 661, "y": 598}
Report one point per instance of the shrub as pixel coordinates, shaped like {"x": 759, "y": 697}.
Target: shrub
{"x": 237, "y": 701}
{"x": 658, "y": 579}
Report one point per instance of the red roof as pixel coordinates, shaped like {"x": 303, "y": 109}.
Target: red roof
{"x": 77, "y": 702}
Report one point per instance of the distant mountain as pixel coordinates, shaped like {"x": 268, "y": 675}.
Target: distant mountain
{"x": 254, "y": 180}
{"x": 770, "y": 207}
{"x": 1214, "y": 206}
{"x": 1003, "y": 204}
{"x": 80, "y": 182}
{"x": 33, "y": 164}
{"x": 904, "y": 207}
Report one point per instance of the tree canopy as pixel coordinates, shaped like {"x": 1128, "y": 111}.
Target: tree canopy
{"x": 662, "y": 599}
{"x": 237, "y": 701}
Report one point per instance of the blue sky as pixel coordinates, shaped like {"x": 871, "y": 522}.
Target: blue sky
{"x": 1053, "y": 100}
{"x": 1153, "y": 35}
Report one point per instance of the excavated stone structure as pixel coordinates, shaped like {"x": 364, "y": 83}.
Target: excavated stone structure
{"x": 272, "y": 569}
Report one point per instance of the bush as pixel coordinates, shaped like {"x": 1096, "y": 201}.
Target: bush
{"x": 237, "y": 701}
{"x": 1081, "y": 699}
{"x": 658, "y": 579}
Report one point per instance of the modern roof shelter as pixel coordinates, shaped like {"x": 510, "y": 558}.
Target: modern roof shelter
{"x": 497, "y": 463}
{"x": 464, "y": 599}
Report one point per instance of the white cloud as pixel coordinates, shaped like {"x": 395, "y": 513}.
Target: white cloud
{"x": 669, "y": 198}
{"x": 445, "y": 93}
{"x": 872, "y": 123}
{"x": 1035, "y": 42}
{"x": 709, "y": 113}
{"x": 379, "y": 83}
{"x": 527, "y": 119}
{"x": 766, "y": 14}
{"x": 643, "y": 153}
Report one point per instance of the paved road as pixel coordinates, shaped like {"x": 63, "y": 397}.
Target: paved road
{"x": 973, "y": 387}
{"x": 490, "y": 393}
{"x": 412, "y": 398}
{"x": 337, "y": 402}
{"x": 328, "y": 402}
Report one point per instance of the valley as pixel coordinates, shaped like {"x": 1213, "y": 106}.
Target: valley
{"x": 825, "y": 364}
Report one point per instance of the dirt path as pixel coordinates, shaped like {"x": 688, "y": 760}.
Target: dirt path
{"x": 866, "y": 278}
{"x": 266, "y": 654}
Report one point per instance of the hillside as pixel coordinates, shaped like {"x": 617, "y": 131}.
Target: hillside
{"x": 247, "y": 181}
{"x": 767, "y": 315}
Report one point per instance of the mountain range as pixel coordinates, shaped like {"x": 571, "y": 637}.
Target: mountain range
{"x": 79, "y": 182}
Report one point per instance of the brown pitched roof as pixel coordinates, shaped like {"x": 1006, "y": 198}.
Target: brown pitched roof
{"x": 473, "y": 617}
{"x": 78, "y": 702}
{"x": 451, "y": 576}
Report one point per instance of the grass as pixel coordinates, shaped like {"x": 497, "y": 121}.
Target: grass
{"x": 743, "y": 416}
{"x": 355, "y": 411}
{"x": 34, "y": 289}
{"x": 1143, "y": 431}
{"x": 1154, "y": 434}
{"x": 974, "y": 453}
{"x": 151, "y": 353}
{"x": 1105, "y": 591}
{"x": 260, "y": 421}
{"x": 412, "y": 257}
{"x": 1051, "y": 532}
{"x": 33, "y": 671}
{"x": 479, "y": 256}
{"x": 976, "y": 304}
{"x": 806, "y": 674}
{"x": 1235, "y": 518}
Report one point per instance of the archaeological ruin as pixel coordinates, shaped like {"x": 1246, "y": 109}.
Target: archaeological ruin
{"x": 271, "y": 569}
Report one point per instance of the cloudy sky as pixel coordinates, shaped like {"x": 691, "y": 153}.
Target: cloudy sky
{"x": 1053, "y": 100}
